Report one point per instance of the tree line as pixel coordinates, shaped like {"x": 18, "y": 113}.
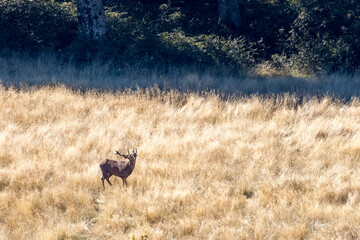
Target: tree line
{"x": 314, "y": 36}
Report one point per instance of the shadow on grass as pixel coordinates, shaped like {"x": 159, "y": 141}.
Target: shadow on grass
{"x": 22, "y": 72}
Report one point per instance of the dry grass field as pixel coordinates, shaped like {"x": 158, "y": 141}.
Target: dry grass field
{"x": 207, "y": 168}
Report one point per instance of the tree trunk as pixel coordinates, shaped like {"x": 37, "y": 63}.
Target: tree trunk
{"x": 91, "y": 17}
{"x": 229, "y": 13}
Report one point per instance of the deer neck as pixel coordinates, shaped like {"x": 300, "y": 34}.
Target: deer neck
{"x": 131, "y": 164}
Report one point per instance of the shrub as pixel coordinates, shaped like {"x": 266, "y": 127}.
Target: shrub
{"x": 209, "y": 49}
{"x": 36, "y": 24}
{"x": 325, "y": 34}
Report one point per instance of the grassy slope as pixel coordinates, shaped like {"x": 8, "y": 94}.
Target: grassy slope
{"x": 207, "y": 168}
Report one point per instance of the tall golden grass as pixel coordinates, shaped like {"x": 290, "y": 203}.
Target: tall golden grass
{"x": 207, "y": 168}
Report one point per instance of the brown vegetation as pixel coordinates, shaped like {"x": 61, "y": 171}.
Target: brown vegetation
{"x": 247, "y": 168}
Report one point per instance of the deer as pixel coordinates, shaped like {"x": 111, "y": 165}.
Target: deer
{"x": 122, "y": 169}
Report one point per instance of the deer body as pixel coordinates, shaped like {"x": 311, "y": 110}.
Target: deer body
{"x": 122, "y": 169}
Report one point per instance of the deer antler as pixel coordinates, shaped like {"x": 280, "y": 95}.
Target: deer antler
{"x": 122, "y": 155}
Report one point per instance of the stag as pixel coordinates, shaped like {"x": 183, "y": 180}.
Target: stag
{"x": 122, "y": 169}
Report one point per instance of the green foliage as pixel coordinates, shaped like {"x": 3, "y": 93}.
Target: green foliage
{"x": 36, "y": 24}
{"x": 325, "y": 34}
{"x": 313, "y": 36}
{"x": 269, "y": 20}
{"x": 132, "y": 38}
{"x": 209, "y": 49}
{"x": 170, "y": 18}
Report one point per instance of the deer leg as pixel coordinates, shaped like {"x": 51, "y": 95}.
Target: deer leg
{"x": 124, "y": 180}
{"x": 102, "y": 180}
{"x": 107, "y": 176}
{"x": 107, "y": 179}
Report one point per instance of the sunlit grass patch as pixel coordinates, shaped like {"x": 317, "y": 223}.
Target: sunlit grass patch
{"x": 208, "y": 167}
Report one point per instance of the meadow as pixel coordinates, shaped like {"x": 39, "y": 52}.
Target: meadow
{"x": 209, "y": 166}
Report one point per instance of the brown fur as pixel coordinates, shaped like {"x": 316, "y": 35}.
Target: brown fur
{"x": 122, "y": 169}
